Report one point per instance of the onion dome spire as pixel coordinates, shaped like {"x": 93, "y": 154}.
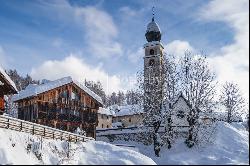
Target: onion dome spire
{"x": 153, "y": 32}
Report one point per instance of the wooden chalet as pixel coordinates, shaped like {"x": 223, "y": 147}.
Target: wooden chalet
{"x": 7, "y": 87}
{"x": 64, "y": 104}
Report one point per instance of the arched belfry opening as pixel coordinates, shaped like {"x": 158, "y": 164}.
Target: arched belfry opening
{"x": 152, "y": 52}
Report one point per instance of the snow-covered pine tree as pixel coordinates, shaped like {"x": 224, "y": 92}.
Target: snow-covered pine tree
{"x": 98, "y": 89}
{"x": 120, "y": 98}
{"x": 21, "y": 82}
{"x": 232, "y": 99}
{"x": 132, "y": 97}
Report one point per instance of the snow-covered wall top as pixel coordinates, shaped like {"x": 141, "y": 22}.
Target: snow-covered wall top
{"x": 153, "y": 43}
{"x": 153, "y": 26}
{"x": 8, "y": 78}
{"x": 38, "y": 89}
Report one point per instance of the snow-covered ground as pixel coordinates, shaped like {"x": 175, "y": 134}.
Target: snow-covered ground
{"x": 22, "y": 148}
{"x": 231, "y": 146}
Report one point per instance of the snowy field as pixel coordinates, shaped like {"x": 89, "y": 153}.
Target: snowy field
{"x": 231, "y": 146}
{"x": 22, "y": 148}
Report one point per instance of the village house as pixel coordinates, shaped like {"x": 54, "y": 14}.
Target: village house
{"x": 105, "y": 117}
{"x": 132, "y": 115}
{"x": 179, "y": 111}
{"x": 128, "y": 116}
{"x": 7, "y": 87}
{"x": 64, "y": 104}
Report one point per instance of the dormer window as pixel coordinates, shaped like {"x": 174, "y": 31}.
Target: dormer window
{"x": 151, "y": 52}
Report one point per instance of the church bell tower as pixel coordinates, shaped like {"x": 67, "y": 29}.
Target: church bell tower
{"x": 153, "y": 65}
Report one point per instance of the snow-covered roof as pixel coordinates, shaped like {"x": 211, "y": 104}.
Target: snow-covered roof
{"x": 8, "y": 78}
{"x": 105, "y": 111}
{"x": 34, "y": 90}
{"x": 153, "y": 26}
{"x": 178, "y": 98}
{"x": 127, "y": 110}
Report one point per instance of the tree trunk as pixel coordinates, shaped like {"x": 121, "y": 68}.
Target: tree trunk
{"x": 155, "y": 138}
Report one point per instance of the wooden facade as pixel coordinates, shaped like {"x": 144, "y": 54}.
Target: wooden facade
{"x": 7, "y": 87}
{"x": 66, "y": 107}
{"x": 1, "y": 104}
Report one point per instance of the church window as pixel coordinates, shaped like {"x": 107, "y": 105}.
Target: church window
{"x": 152, "y": 52}
{"x": 151, "y": 62}
{"x": 180, "y": 114}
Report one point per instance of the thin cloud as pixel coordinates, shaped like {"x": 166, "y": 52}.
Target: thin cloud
{"x": 231, "y": 61}
{"x": 76, "y": 67}
{"x": 101, "y": 32}
{"x": 178, "y": 47}
{"x": 2, "y": 57}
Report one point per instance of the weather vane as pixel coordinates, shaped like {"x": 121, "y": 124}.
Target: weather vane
{"x": 153, "y": 13}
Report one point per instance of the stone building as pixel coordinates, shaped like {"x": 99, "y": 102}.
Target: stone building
{"x": 128, "y": 116}
{"x": 105, "y": 117}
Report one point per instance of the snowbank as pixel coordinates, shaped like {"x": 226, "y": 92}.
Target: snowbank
{"x": 22, "y": 148}
{"x": 231, "y": 146}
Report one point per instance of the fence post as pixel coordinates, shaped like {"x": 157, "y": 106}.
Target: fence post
{"x": 8, "y": 123}
{"x": 68, "y": 149}
{"x": 41, "y": 142}
{"x": 61, "y": 136}
{"x": 33, "y": 130}
{"x": 53, "y": 135}
{"x": 21, "y": 126}
{"x": 44, "y": 131}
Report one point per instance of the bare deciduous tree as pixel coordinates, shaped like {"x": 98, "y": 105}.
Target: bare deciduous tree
{"x": 232, "y": 99}
{"x": 150, "y": 86}
{"x": 198, "y": 85}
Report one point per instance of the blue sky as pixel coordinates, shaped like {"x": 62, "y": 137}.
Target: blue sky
{"x": 107, "y": 35}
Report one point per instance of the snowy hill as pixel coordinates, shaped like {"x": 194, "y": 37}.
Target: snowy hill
{"x": 22, "y": 148}
{"x": 230, "y": 146}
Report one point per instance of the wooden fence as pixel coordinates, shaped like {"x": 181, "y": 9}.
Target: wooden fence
{"x": 40, "y": 130}
{"x": 130, "y": 130}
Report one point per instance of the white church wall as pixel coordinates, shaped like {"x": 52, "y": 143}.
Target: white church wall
{"x": 180, "y": 112}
